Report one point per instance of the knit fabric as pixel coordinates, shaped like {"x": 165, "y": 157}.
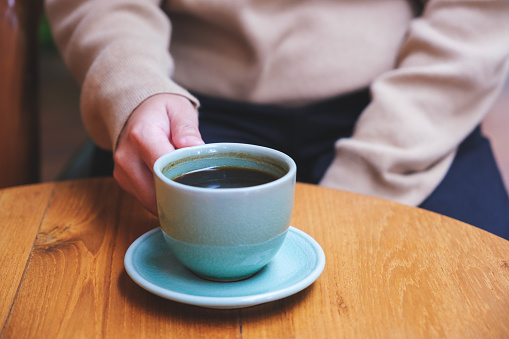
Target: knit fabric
{"x": 434, "y": 71}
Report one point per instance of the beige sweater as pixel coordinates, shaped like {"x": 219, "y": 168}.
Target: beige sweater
{"x": 434, "y": 74}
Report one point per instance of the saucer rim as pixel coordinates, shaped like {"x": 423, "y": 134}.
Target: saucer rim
{"x": 225, "y": 302}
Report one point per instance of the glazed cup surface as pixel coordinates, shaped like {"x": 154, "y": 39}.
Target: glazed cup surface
{"x": 226, "y": 233}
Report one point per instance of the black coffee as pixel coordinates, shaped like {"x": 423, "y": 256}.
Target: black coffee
{"x": 225, "y": 177}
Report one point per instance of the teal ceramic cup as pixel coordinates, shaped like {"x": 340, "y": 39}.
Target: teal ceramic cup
{"x": 224, "y": 234}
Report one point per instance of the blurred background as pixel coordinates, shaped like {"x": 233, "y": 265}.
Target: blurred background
{"x": 62, "y": 133}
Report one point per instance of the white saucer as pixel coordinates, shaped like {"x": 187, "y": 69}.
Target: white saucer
{"x": 299, "y": 262}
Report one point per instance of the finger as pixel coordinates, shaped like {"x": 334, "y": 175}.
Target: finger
{"x": 184, "y": 130}
{"x": 149, "y": 143}
{"x": 142, "y": 187}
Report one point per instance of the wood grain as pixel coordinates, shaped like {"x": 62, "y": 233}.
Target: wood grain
{"x": 392, "y": 271}
{"x": 86, "y": 293}
{"x": 21, "y": 213}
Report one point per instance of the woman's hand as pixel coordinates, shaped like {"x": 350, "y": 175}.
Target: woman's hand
{"x": 161, "y": 124}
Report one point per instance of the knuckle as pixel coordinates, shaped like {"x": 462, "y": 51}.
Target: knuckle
{"x": 120, "y": 158}
{"x": 187, "y": 128}
{"x": 136, "y": 134}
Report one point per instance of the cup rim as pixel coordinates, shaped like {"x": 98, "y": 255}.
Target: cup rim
{"x": 162, "y": 161}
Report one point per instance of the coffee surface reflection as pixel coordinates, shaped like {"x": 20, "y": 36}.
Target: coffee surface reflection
{"x": 225, "y": 177}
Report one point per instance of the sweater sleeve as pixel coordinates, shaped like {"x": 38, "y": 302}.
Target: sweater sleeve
{"x": 118, "y": 52}
{"x": 450, "y": 70}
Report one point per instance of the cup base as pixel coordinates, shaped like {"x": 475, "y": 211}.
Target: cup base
{"x": 226, "y": 280}
{"x": 225, "y": 263}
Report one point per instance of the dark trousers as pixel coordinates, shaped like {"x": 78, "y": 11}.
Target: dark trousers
{"x": 472, "y": 190}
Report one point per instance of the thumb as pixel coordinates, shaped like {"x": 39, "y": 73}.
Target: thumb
{"x": 184, "y": 130}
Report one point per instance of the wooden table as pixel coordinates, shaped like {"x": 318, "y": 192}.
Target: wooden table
{"x": 392, "y": 271}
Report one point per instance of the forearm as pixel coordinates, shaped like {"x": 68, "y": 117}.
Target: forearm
{"x": 118, "y": 52}
{"x": 450, "y": 71}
